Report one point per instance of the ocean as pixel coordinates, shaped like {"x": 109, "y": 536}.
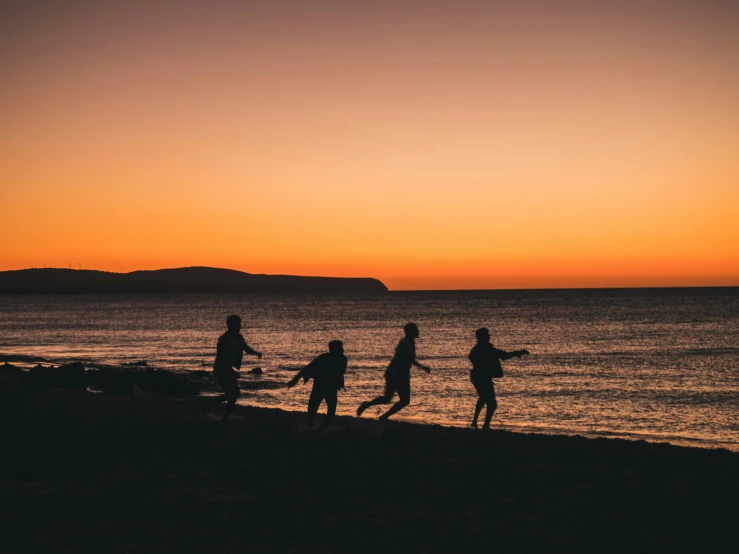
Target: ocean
{"x": 651, "y": 364}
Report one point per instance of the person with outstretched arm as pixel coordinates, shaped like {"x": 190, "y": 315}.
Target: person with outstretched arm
{"x": 327, "y": 372}
{"x": 229, "y": 355}
{"x": 398, "y": 374}
{"x": 485, "y": 360}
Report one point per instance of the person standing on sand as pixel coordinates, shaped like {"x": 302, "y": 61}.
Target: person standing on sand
{"x": 229, "y": 354}
{"x": 327, "y": 372}
{"x": 398, "y": 374}
{"x": 485, "y": 360}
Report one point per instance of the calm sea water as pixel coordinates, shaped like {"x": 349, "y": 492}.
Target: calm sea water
{"x": 659, "y": 364}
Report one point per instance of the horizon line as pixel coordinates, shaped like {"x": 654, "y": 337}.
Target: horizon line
{"x": 418, "y": 290}
{"x": 573, "y": 288}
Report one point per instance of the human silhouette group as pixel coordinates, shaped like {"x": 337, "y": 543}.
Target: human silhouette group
{"x": 328, "y": 369}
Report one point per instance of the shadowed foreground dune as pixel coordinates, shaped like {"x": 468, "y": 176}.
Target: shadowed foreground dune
{"x": 84, "y": 472}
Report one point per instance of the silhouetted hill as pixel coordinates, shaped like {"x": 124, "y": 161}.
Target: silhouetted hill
{"x": 185, "y": 279}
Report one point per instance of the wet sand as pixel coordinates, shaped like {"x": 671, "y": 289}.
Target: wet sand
{"x": 85, "y": 472}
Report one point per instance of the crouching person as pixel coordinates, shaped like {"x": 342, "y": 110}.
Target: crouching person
{"x": 327, "y": 372}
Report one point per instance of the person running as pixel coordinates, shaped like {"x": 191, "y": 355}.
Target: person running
{"x": 327, "y": 372}
{"x": 485, "y": 360}
{"x": 398, "y": 374}
{"x": 229, "y": 354}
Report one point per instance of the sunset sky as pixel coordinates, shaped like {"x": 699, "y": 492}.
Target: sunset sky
{"x": 455, "y": 144}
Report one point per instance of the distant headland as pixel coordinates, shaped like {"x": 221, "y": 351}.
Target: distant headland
{"x": 179, "y": 280}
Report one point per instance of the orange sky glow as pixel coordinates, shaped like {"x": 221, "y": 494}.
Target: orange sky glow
{"x": 433, "y": 145}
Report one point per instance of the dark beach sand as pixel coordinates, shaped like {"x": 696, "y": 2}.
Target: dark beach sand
{"x": 84, "y": 472}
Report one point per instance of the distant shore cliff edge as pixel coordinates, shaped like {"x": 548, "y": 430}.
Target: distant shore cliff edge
{"x": 180, "y": 280}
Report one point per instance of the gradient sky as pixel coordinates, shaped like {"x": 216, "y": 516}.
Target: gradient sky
{"x": 429, "y": 144}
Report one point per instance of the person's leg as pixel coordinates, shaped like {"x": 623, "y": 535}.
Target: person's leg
{"x": 478, "y": 409}
{"x": 224, "y": 384}
{"x": 316, "y": 396}
{"x": 404, "y": 398}
{"x": 331, "y": 401}
{"x": 231, "y": 388}
{"x": 210, "y": 401}
{"x": 384, "y": 399}
{"x": 229, "y": 407}
{"x": 480, "y": 389}
{"x": 492, "y": 405}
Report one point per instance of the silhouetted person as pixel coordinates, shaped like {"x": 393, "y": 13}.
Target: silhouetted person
{"x": 398, "y": 374}
{"x": 485, "y": 360}
{"x": 229, "y": 354}
{"x": 327, "y": 372}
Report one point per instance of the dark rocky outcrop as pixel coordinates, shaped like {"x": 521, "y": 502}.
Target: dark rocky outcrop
{"x": 10, "y": 375}
{"x": 150, "y": 381}
{"x": 10, "y": 369}
{"x": 136, "y": 380}
{"x": 66, "y": 376}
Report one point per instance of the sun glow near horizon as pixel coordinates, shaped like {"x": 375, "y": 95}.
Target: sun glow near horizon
{"x": 430, "y": 145}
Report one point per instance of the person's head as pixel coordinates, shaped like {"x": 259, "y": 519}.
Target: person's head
{"x": 233, "y": 322}
{"x": 482, "y": 334}
{"x": 411, "y": 330}
{"x": 336, "y": 347}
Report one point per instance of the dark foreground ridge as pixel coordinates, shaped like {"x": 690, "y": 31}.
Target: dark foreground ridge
{"x": 85, "y": 472}
{"x": 180, "y": 280}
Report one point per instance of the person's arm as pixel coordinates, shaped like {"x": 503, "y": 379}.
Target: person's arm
{"x": 477, "y": 358}
{"x": 408, "y": 352}
{"x": 419, "y": 365}
{"x": 306, "y": 373}
{"x": 294, "y": 381}
{"x": 503, "y": 355}
{"x": 249, "y": 350}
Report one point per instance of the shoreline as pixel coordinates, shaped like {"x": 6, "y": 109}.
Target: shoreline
{"x": 524, "y": 429}
{"x": 251, "y": 384}
{"x": 92, "y": 472}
